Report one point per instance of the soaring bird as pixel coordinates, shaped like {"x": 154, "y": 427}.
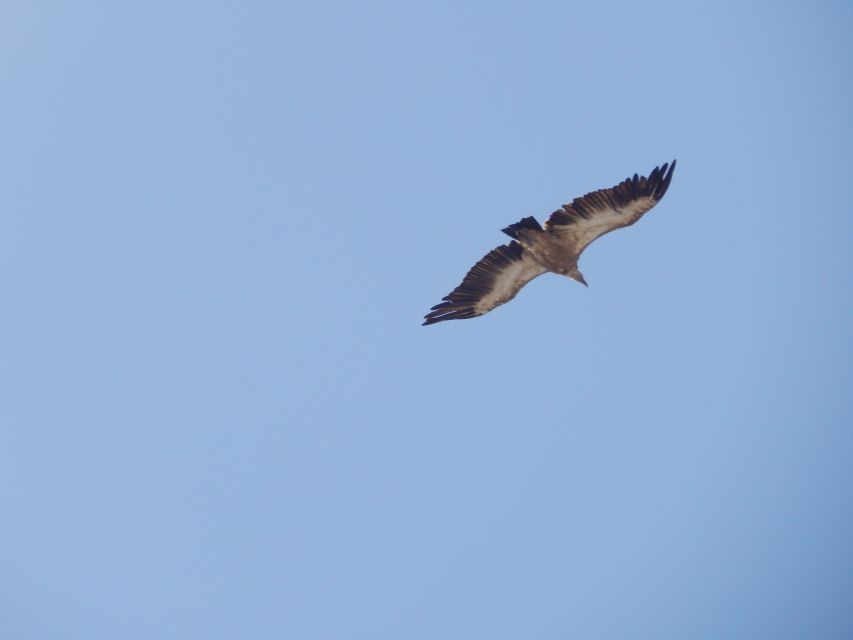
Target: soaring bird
{"x": 502, "y": 272}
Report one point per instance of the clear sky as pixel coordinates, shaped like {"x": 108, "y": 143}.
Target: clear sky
{"x": 222, "y": 223}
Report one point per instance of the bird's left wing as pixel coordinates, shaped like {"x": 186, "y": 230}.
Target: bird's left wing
{"x": 599, "y": 212}
{"x": 491, "y": 282}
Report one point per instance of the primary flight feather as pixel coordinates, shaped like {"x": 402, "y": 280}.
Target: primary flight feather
{"x": 535, "y": 250}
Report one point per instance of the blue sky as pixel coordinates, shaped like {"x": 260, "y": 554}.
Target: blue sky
{"x": 223, "y": 222}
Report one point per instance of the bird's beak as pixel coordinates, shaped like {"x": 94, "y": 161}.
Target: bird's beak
{"x": 582, "y": 281}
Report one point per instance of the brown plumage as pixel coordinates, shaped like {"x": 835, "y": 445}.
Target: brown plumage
{"x": 502, "y": 272}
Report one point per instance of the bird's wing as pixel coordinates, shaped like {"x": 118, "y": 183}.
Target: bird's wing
{"x": 602, "y": 211}
{"x": 491, "y": 282}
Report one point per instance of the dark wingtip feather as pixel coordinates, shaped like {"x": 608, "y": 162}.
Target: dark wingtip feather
{"x": 665, "y": 179}
{"x": 451, "y": 314}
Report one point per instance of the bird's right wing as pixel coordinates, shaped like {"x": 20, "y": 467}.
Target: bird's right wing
{"x": 591, "y": 216}
{"x": 491, "y": 282}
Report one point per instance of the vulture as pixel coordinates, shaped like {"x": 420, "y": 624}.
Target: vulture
{"x": 535, "y": 250}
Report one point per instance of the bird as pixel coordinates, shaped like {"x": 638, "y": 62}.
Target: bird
{"x": 556, "y": 247}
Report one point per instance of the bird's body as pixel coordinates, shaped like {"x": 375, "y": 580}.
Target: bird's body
{"x": 535, "y": 250}
{"x": 547, "y": 249}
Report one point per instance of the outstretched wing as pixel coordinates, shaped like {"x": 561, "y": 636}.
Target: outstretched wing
{"x": 599, "y": 212}
{"x": 493, "y": 281}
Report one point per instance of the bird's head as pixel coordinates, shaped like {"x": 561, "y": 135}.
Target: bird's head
{"x": 575, "y": 274}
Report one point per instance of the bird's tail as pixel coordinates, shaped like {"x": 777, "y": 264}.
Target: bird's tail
{"x": 525, "y": 223}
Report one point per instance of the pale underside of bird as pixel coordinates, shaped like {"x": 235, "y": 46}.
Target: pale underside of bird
{"x": 535, "y": 250}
